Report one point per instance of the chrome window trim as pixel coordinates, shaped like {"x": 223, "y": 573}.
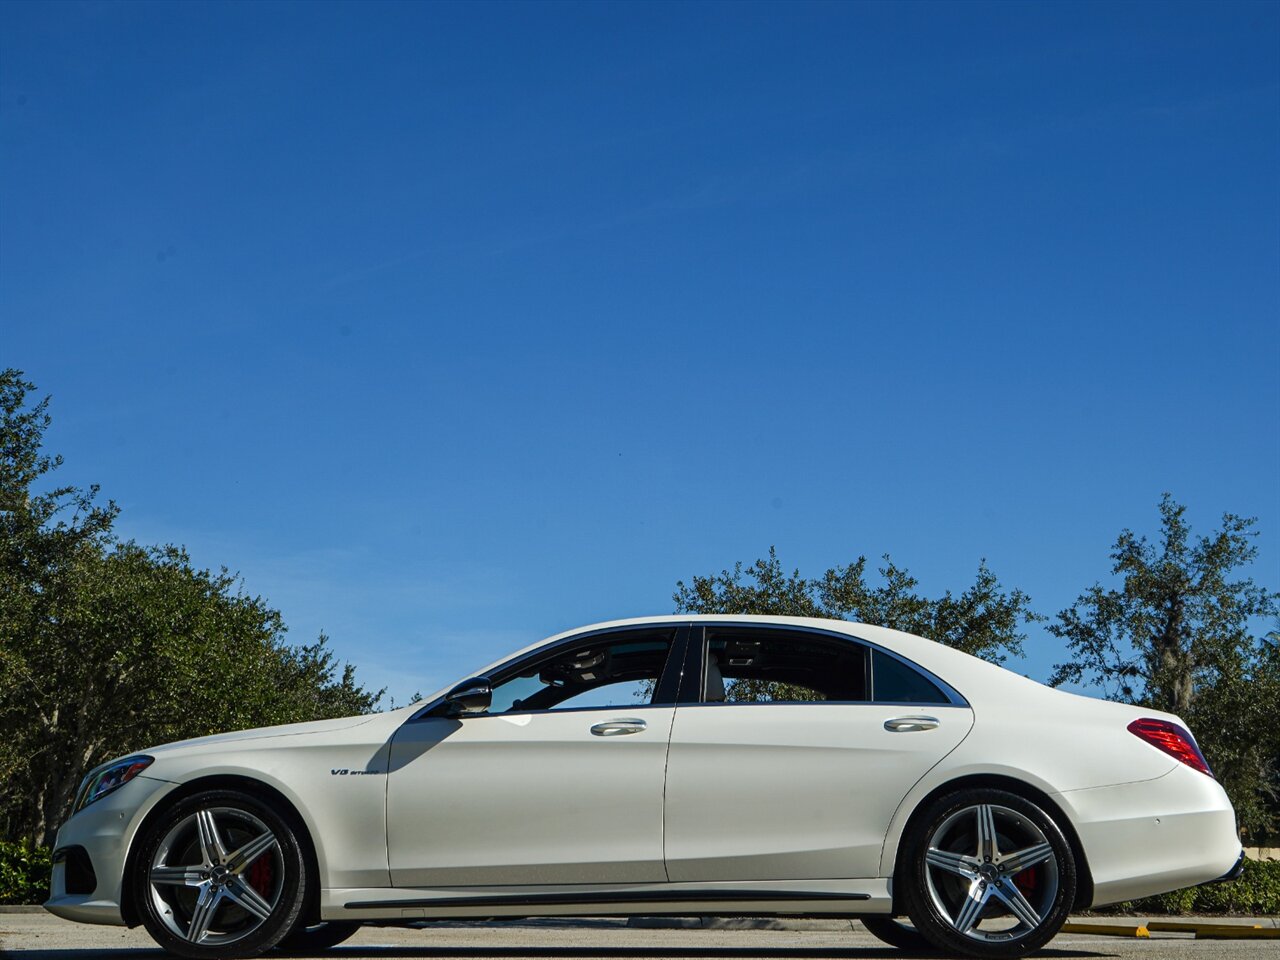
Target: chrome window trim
{"x": 616, "y": 708}
{"x": 914, "y": 705}
{"x": 954, "y": 697}
{"x": 502, "y": 672}
{"x": 497, "y": 675}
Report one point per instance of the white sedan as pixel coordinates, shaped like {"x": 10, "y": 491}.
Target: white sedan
{"x": 672, "y": 765}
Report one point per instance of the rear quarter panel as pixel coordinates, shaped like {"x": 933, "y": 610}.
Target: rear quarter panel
{"x": 1052, "y": 740}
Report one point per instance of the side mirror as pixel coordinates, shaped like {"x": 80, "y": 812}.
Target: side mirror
{"x": 469, "y": 697}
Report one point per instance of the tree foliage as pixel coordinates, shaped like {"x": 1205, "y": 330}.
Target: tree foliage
{"x": 1178, "y": 632}
{"x": 984, "y": 620}
{"x": 107, "y": 647}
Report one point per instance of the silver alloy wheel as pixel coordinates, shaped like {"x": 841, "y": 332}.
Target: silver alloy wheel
{"x": 990, "y": 864}
{"x": 200, "y": 877}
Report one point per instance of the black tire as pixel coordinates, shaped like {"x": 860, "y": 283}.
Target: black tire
{"x": 318, "y": 936}
{"x": 897, "y": 934}
{"x": 948, "y": 899}
{"x": 168, "y": 908}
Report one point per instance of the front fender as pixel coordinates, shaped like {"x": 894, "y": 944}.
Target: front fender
{"x": 338, "y": 790}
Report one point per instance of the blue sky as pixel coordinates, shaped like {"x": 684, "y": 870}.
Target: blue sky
{"x": 452, "y": 326}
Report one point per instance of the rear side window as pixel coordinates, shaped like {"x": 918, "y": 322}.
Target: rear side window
{"x": 765, "y": 666}
{"x": 897, "y": 682}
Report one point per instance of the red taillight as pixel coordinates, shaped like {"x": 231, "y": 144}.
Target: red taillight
{"x": 1174, "y": 740}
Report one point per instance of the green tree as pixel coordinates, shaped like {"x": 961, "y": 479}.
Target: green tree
{"x": 985, "y": 620}
{"x": 1177, "y": 632}
{"x": 107, "y": 647}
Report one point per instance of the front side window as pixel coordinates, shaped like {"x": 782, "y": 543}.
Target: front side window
{"x": 765, "y": 666}
{"x": 615, "y": 670}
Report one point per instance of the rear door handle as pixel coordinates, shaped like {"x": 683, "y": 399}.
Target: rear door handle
{"x": 910, "y": 724}
{"x": 618, "y": 728}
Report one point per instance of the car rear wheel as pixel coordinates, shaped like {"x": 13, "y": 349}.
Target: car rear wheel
{"x": 989, "y": 874}
{"x": 220, "y": 875}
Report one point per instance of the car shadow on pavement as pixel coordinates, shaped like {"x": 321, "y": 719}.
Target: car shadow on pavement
{"x": 375, "y": 952}
{"x": 661, "y": 953}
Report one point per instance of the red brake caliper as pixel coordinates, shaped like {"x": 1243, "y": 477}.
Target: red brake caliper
{"x": 1028, "y": 880}
{"x": 260, "y": 873}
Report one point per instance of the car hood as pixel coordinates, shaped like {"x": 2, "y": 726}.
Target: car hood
{"x": 261, "y": 733}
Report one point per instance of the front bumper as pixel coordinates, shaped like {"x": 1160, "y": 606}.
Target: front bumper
{"x": 103, "y": 831}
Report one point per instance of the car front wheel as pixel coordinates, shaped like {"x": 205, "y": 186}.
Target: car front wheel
{"x": 989, "y": 874}
{"x": 220, "y": 875}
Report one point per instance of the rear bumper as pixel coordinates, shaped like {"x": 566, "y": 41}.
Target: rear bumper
{"x": 1146, "y": 838}
{"x": 1234, "y": 873}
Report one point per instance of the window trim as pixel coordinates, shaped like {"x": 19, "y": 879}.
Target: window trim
{"x": 669, "y": 680}
{"x": 693, "y": 686}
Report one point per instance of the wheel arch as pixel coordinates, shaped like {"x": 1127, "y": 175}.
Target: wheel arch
{"x": 1084, "y": 885}
{"x": 255, "y": 788}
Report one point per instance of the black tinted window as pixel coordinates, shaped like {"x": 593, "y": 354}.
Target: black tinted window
{"x": 617, "y": 670}
{"x": 895, "y": 682}
{"x": 761, "y": 666}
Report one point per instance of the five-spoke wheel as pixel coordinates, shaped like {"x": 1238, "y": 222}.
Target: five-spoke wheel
{"x": 990, "y": 874}
{"x": 221, "y": 875}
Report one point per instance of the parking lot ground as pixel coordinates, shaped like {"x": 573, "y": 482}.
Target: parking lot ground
{"x": 39, "y": 936}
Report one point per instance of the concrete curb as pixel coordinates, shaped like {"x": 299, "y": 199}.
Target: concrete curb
{"x": 1199, "y": 926}
{"x": 1085, "y": 925}
{"x": 739, "y": 923}
{"x": 1187, "y": 923}
{"x": 25, "y": 908}
{"x": 1107, "y": 929}
{"x": 1124, "y": 926}
{"x": 1241, "y": 933}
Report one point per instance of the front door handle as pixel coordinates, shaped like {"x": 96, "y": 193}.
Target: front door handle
{"x": 617, "y": 728}
{"x": 910, "y": 724}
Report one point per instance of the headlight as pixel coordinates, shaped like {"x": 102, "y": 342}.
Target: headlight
{"x": 106, "y": 779}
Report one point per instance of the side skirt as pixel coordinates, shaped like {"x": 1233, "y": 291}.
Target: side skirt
{"x": 819, "y": 898}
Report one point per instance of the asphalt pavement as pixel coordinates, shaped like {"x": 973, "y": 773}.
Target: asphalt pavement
{"x": 40, "y": 936}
